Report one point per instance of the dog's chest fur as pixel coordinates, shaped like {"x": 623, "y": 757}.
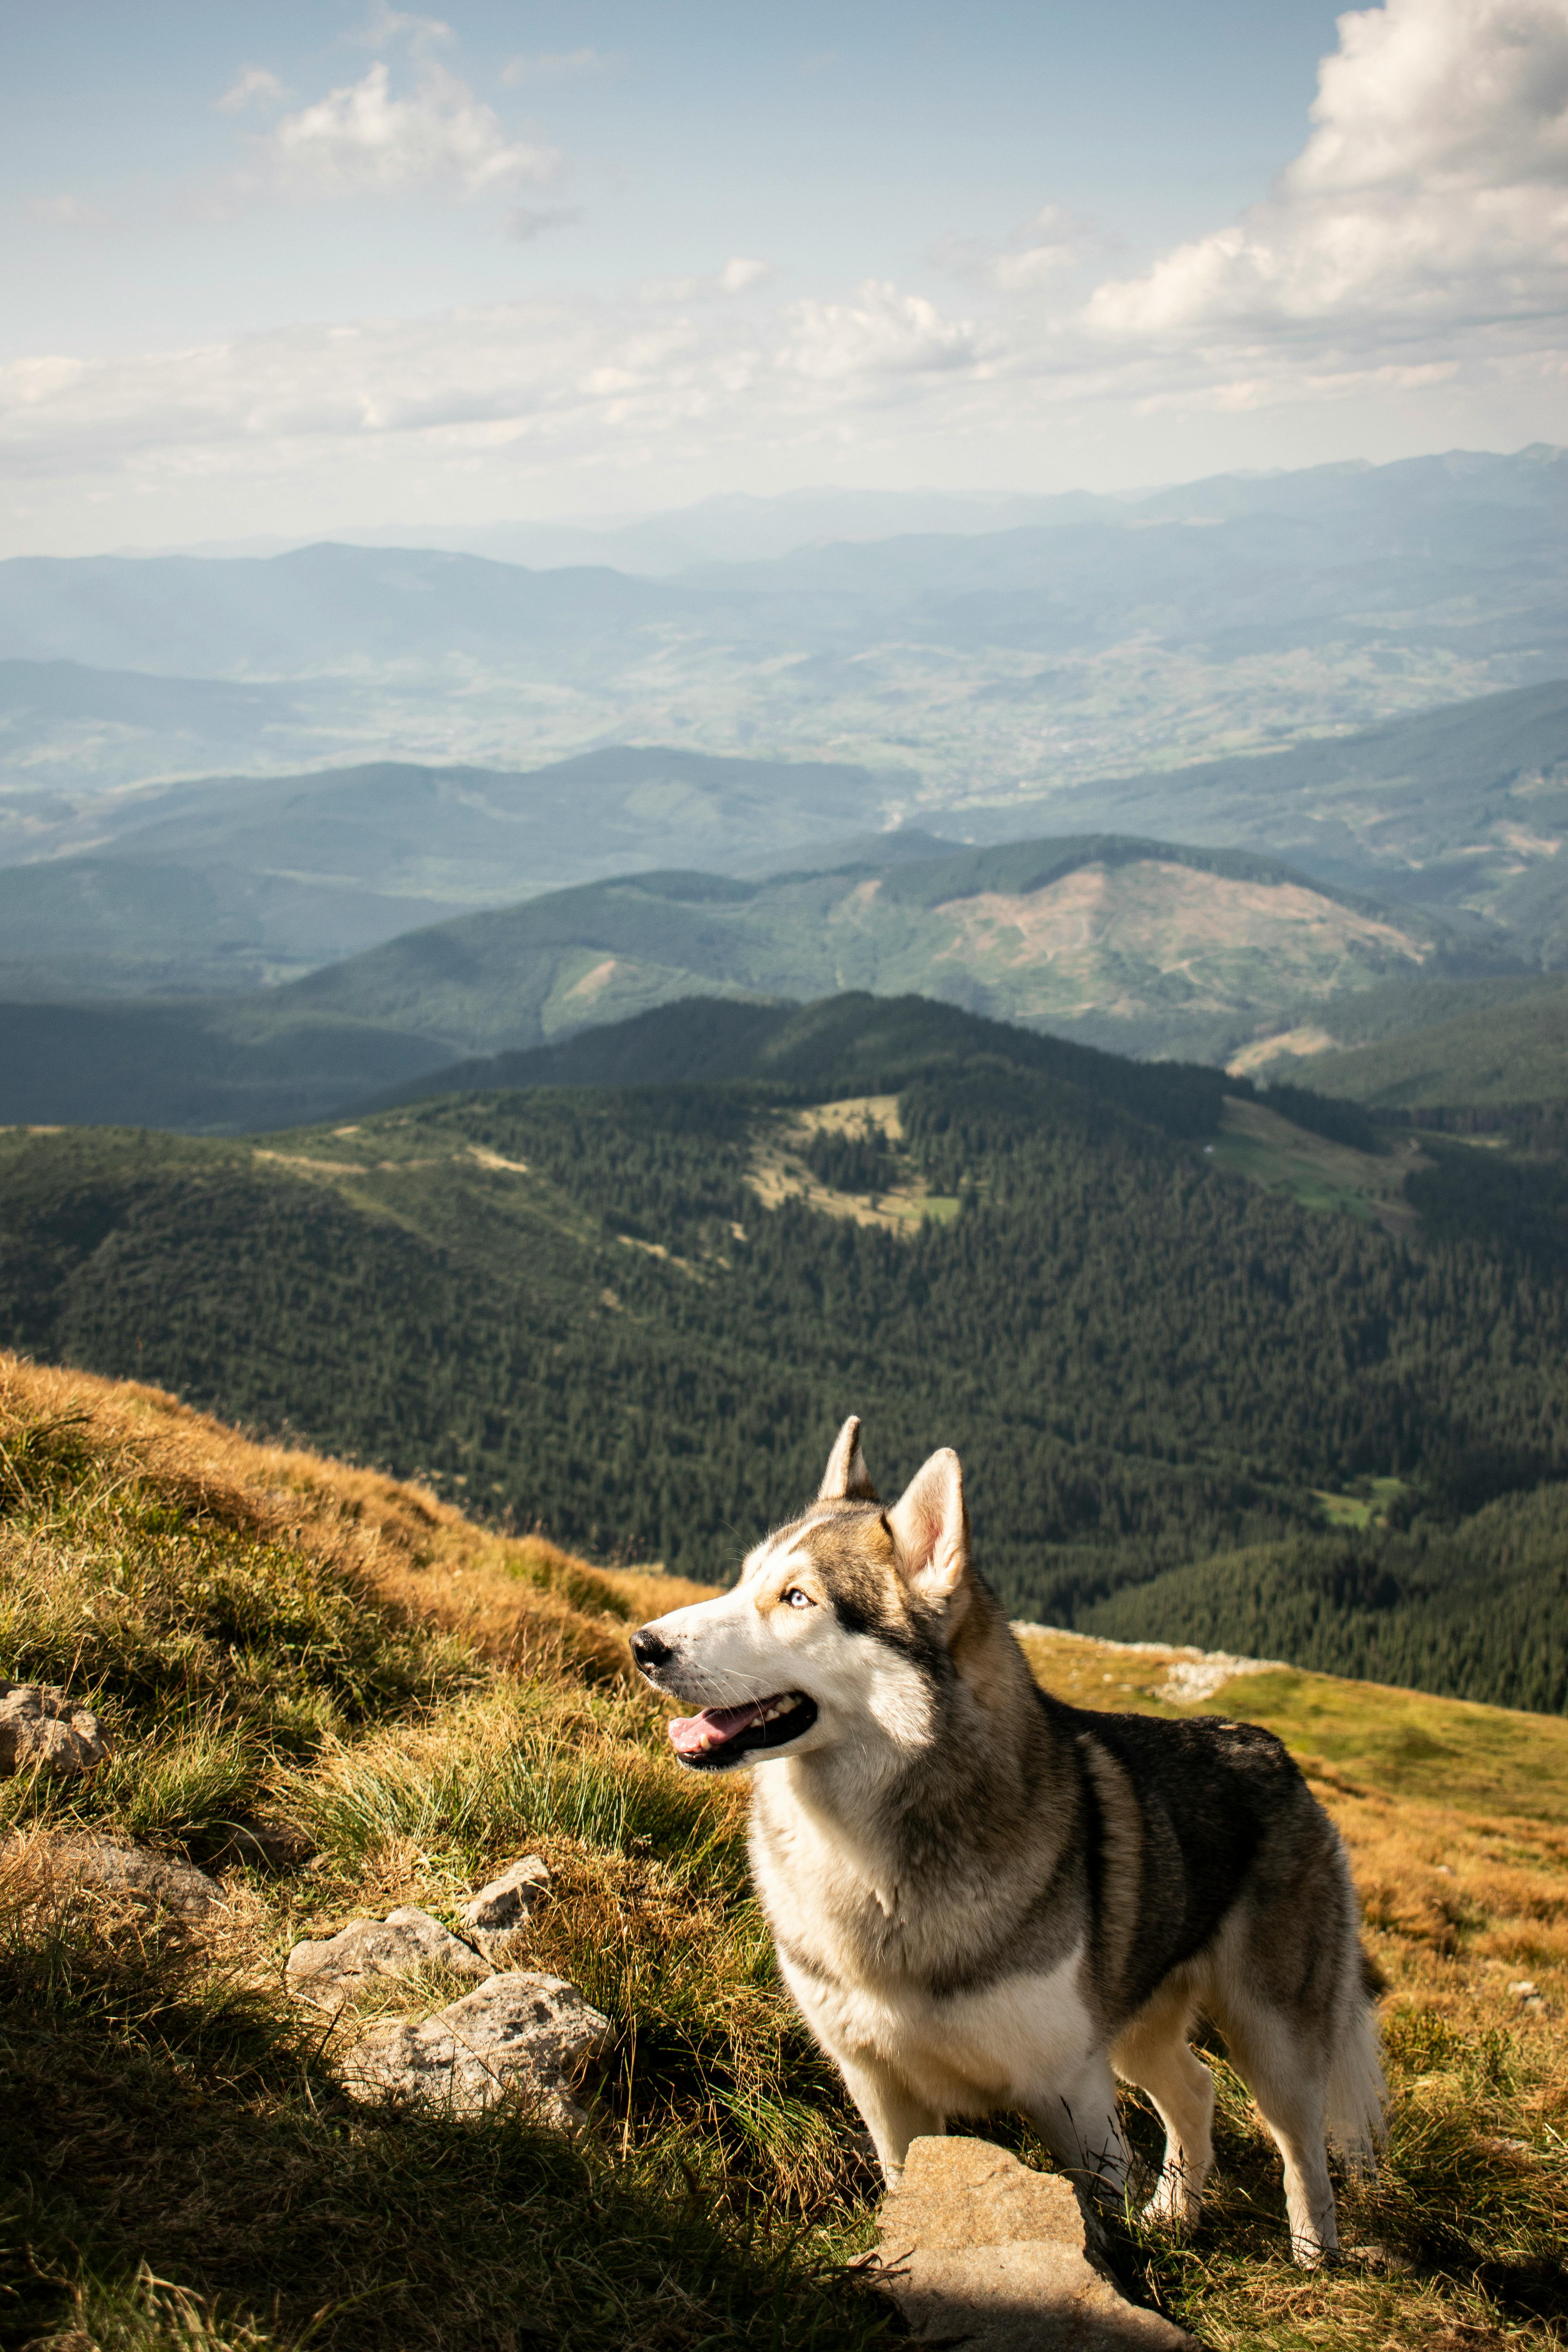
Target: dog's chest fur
{"x": 928, "y": 1968}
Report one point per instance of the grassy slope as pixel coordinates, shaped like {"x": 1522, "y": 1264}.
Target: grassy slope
{"x": 1256, "y": 1142}
{"x": 277, "y": 1639}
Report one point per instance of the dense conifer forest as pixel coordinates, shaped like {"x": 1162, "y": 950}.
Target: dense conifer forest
{"x": 1175, "y": 1392}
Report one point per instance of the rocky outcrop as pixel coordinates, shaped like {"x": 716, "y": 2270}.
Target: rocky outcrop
{"x": 979, "y": 2252}
{"x": 335, "y": 1970}
{"x": 42, "y": 1726}
{"x": 520, "y": 2034}
{"x": 158, "y": 1880}
{"x": 497, "y": 1912}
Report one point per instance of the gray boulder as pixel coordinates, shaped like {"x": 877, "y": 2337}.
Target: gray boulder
{"x": 156, "y": 1880}
{"x": 40, "y": 1725}
{"x": 978, "y": 2250}
{"x": 495, "y": 1915}
{"x": 334, "y": 1971}
{"x": 521, "y": 2034}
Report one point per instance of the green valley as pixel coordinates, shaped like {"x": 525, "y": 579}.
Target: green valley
{"x": 630, "y": 1315}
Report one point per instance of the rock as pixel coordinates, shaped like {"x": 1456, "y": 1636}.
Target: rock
{"x": 978, "y": 2250}
{"x": 39, "y": 1726}
{"x": 494, "y": 1915}
{"x": 520, "y": 2033}
{"x": 334, "y": 1971}
{"x": 273, "y": 1846}
{"x": 155, "y": 1879}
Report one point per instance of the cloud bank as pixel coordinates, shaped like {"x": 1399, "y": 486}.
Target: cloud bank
{"x": 1417, "y": 242}
{"x": 1432, "y": 194}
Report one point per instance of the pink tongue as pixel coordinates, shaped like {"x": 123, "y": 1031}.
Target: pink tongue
{"x": 690, "y": 1734}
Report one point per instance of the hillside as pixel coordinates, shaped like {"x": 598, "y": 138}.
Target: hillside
{"x": 1167, "y": 1326}
{"x": 1145, "y": 947}
{"x": 1510, "y": 1050}
{"x": 338, "y": 1695}
{"x": 1148, "y": 940}
{"x": 1460, "y": 809}
{"x": 234, "y": 881}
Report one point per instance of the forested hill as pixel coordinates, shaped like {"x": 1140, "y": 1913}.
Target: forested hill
{"x": 839, "y": 1046}
{"x": 634, "y": 1316}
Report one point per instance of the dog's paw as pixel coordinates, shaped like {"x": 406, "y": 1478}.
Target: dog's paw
{"x": 1175, "y": 2204}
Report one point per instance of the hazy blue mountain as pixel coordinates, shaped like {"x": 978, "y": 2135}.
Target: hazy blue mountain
{"x": 130, "y": 926}
{"x": 1091, "y": 637}
{"x": 231, "y": 882}
{"x": 319, "y": 608}
{"x": 737, "y": 527}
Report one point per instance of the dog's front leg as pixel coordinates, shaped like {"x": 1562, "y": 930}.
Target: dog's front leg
{"x": 1078, "y": 2123}
{"x": 894, "y": 2115}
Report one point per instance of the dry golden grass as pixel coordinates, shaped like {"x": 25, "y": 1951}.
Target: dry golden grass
{"x": 520, "y": 1600}
{"x": 289, "y": 1642}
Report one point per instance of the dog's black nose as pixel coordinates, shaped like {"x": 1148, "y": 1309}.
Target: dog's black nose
{"x": 648, "y": 1649}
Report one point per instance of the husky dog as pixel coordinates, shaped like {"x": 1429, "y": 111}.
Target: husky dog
{"x": 983, "y": 1899}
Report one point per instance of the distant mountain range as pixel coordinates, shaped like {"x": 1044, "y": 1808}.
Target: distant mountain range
{"x": 1119, "y": 941}
{"x": 229, "y": 884}
{"x": 1006, "y": 821}
{"x": 1092, "y": 637}
{"x": 1456, "y": 817}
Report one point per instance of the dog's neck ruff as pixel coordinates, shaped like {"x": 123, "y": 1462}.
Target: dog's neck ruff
{"x": 720, "y": 1736}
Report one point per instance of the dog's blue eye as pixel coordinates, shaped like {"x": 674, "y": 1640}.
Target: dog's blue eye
{"x": 796, "y": 1599}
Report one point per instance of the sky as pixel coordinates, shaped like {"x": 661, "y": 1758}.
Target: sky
{"x": 297, "y": 268}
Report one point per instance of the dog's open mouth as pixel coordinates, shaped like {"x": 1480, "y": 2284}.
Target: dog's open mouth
{"x": 722, "y": 1736}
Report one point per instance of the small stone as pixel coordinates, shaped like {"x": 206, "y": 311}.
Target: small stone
{"x": 519, "y": 2032}
{"x": 42, "y": 1727}
{"x": 154, "y": 1879}
{"x": 273, "y": 1846}
{"x": 334, "y": 1971}
{"x": 1387, "y": 2259}
{"x": 494, "y": 1915}
{"x": 977, "y": 2249}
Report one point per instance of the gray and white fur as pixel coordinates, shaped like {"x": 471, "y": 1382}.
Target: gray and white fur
{"x": 986, "y": 1899}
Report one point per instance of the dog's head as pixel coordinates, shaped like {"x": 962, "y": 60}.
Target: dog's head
{"x": 838, "y": 1627}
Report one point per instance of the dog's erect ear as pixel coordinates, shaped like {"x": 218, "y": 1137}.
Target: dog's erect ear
{"x": 930, "y": 1527}
{"x": 847, "y": 1478}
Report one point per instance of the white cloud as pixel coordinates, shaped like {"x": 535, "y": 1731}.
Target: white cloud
{"x": 881, "y": 334}
{"x": 1432, "y": 194}
{"x": 563, "y": 65}
{"x": 362, "y": 139}
{"x": 383, "y": 25}
{"x": 252, "y": 85}
{"x": 543, "y": 380}
{"x": 68, "y": 212}
{"x": 739, "y": 274}
{"x": 1029, "y": 257}
{"x": 525, "y": 222}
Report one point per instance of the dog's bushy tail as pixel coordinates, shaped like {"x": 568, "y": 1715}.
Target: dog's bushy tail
{"x": 1358, "y": 2096}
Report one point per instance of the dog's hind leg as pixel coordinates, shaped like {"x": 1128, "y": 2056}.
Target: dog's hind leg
{"x": 1287, "y": 2073}
{"x": 1154, "y": 2053}
{"x": 1078, "y": 2123}
{"x": 893, "y": 2113}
